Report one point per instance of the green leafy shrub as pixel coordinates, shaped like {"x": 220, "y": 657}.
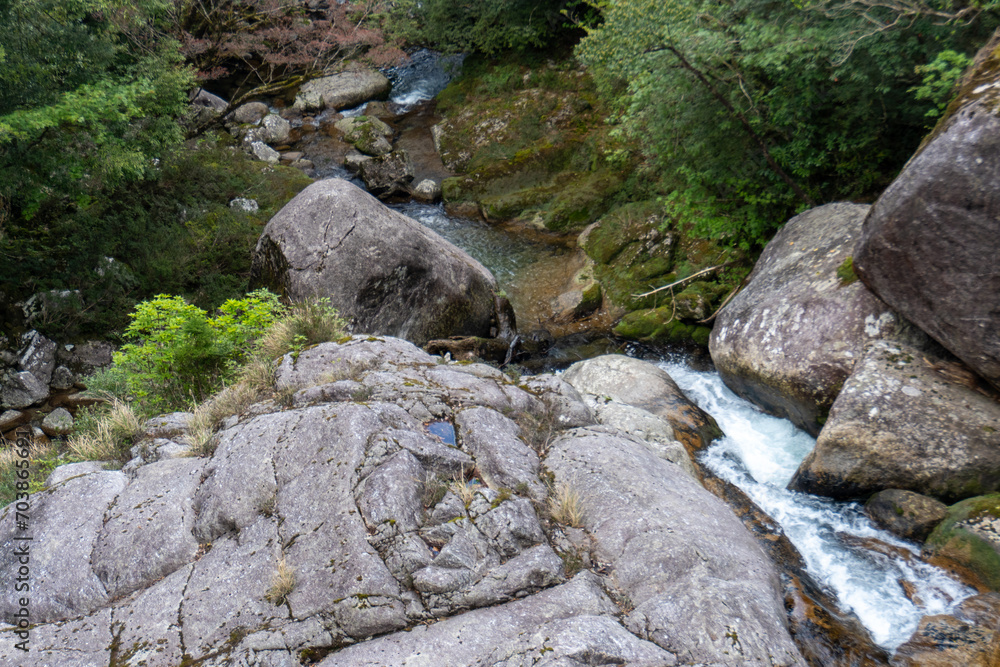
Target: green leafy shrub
{"x": 177, "y": 353}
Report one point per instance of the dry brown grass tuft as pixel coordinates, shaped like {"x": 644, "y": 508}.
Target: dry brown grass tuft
{"x": 565, "y": 508}
{"x": 111, "y": 435}
{"x": 282, "y": 584}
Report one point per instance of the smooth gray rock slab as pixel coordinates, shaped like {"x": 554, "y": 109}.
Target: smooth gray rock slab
{"x": 653, "y": 429}
{"x": 790, "y": 338}
{"x": 342, "y": 91}
{"x": 226, "y": 590}
{"x": 391, "y": 493}
{"x": 147, "y": 533}
{"x": 64, "y": 472}
{"x": 64, "y": 523}
{"x": 84, "y": 642}
{"x": 502, "y": 458}
{"x": 565, "y": 404}
{"x": 350, "y": 360}
{"x": 482, "y": 636}
{"x": 386, "y": 273}
{"x": 149, "y": 631}
{"x": 694, "y": 574}
{"x": 899, "y": 424}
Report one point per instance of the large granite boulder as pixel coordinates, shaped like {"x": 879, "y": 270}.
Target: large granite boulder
{"x": 389, "y": 513}
{"x": 930, "y": 247}
{"x": 900, "y": 424}
{"x": 789, "y": 340}
{"x": 384, "y": 272}
{"x": 342, "y": 91}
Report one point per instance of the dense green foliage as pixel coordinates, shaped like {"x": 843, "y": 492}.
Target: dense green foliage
{"x": 89, "y": 93}
{"x": 486, "y": 27}
{"x": 752, "y": 109}
{"x": 177, "y": 354}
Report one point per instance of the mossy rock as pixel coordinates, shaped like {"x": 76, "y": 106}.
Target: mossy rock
{"x": 695, "y": 302}
{"x": 660, "y": 325}
{"x": 968, "y": 540}
{"x": 366, "y": 133}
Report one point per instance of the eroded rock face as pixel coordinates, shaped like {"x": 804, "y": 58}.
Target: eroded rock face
{"x": 344, "y": 516}
{"x": 383, "y": 271}
{"x": 931, "y": 244}
{"x": 899, "y": 424}
{"x": 910, "y": 515}
{"x": 788, "y": 341}
{"x": 970, "y": 637}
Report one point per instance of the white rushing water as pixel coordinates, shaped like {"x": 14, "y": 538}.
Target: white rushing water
{"x": 760, "y": 454}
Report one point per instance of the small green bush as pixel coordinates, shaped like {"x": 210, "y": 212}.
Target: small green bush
{"x": 177, "y": 353}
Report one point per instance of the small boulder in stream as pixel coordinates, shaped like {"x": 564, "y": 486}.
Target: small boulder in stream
{"x": 384, "y": 272}
{"x": 342, "y": 91}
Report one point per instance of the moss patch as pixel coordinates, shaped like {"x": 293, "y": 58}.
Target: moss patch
{"x": 846, "y": 272}
{"x": 968, "y": 538}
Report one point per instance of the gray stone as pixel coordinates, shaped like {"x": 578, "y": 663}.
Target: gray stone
{"x": 427, "y": 190}
{"x": 350, "y": 359}
{"x": 931, "y": 244}
{"x": 62, "y": 378}
{"x": 502, "y": 458}
{"x": 696, "y": 577}
{"x": 84, "y": 642}
{"x": 910, "y": 515}
{"x": 899, "y": 424}
{"x": 206, "y": 99}
{"x": 385, "y": 272}
{"x": 388, "y": 175}
{"x": 70, "y": 470}
{"x": 171, "y": 425}
{"x": 147, "y": 625}
{"x": 12, "y": 418}
{"x": 354, "y": 159}
{"x": 37, "y": 356}
{"x": 85, "y": 358}
{"x": 647, "y": 386}
{"x": 263, "y": 152}
{"x": 65, "y": 521}
{"x": 654, "y": 430}
{"x": 276, "y": 130}
{"x": 147, "y": 534}
{"x": 57, "y": 423}
{"x": 790, "y": 338}
{"x": 226, "y": 590}
{"x": 487, "y": 636}
{"x": 391, "y": 493}
{"x": 367, "y": 134}
{"x": 341, "y": 91}
{"x": 21, "y": 390}
{"x": 245, "y": 205}
{"x": 250, "y": 113}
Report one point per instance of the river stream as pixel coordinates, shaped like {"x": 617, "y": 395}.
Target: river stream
{"x": 872, "y": 573}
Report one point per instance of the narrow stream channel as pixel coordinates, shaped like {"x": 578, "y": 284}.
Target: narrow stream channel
{"x": 864, "y": 566}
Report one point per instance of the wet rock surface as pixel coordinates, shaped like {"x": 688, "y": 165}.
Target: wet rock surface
{"x": 341, "y": 526}
{"x": 910, "y": 515}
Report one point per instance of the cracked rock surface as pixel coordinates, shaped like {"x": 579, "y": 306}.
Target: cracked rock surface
{"x": 404, "y": 522}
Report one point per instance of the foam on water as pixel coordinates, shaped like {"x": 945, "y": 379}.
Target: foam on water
{"x": 760, "y": 454}
{"x": 424, "y": 75}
